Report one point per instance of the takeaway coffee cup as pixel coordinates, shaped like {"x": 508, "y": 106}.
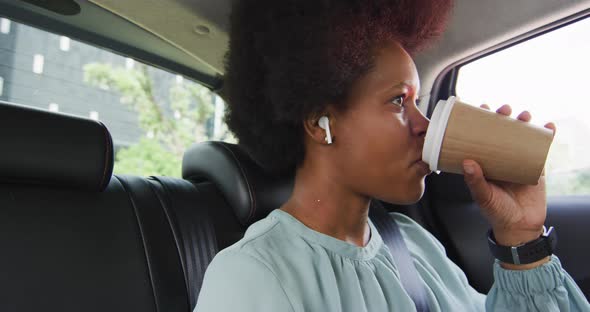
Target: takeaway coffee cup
{"x": 506, "y": 149}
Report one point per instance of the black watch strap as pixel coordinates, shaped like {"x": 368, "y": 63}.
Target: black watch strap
{"x": 526, "y": 253}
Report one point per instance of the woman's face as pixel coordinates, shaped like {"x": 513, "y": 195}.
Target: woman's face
{"x": 379, "y": 138}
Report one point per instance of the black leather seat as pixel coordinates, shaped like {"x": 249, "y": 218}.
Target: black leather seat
{"x": 250, "y": 193}
{"x": 75, "y": 239}
{"x": 188, "y": 208}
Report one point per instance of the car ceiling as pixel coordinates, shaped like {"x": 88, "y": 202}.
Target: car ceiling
{"x": 180, "y": 22}
{"x": 193, "y": 33}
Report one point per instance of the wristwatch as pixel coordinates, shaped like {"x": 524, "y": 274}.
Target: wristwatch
{"x": 525, "y": 253}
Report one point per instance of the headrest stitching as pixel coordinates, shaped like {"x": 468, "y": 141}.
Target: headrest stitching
{"x": 106, "y": 156}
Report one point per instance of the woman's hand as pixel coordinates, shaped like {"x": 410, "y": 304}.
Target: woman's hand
{"x": 516, "y": 212}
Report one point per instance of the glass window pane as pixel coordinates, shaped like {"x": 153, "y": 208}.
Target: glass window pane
{"x": 64, "y": 43}
{"x": 153, "y": 115}
{"x": 548, "y": 75}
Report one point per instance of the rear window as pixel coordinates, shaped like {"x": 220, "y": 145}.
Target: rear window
{"x": 153, "y": 115}
{"x": 548, "y": 75}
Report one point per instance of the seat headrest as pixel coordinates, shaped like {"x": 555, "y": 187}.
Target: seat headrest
{"x": 46, "y": 148}
{"x": 248, "y": 189}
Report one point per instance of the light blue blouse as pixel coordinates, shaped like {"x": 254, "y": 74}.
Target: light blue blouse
{"x": 282, "y": 265}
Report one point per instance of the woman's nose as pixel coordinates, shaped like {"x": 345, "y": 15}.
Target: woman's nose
{"x": 418, "y": 122}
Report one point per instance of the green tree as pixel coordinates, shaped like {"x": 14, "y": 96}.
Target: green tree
{"x": 147, "y": 157}
{"x": 582, "y": 185}
{"x": 169, "y": 126}
{"x": 575, "y": 182}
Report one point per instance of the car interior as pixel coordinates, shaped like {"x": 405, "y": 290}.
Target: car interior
{"x": 77, "y": 236}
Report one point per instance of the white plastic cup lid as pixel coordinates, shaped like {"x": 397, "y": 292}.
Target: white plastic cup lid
{"x": 436, "y": 132}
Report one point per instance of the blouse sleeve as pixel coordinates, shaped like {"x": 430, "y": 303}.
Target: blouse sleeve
{"x": 545, "y": 288}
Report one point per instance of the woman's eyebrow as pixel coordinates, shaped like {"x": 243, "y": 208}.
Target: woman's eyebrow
{"x": 408, "y": 85}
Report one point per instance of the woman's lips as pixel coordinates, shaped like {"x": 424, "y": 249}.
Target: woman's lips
{"x": 424, "y": 167}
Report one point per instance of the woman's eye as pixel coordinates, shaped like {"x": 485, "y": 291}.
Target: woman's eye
{"x": 398, "y": 100}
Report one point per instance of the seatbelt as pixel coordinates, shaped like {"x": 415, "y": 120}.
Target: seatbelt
{"x": 391, "y": 235}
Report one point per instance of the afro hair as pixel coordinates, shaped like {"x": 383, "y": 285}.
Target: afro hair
{"x": 289, "y": 59}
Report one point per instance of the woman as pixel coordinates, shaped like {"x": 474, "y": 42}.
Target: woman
{"x": 293, "y": 62}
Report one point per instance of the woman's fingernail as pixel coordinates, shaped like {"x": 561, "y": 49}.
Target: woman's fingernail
{"x": 468, "y": 168}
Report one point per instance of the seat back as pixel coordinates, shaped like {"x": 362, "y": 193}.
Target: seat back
{"x": 71, "y": 239}
{"x": 68, "y": 250}
{"x": 187, "y": 209}
{"x": 249, "y": 193}
{"x": 76, "y": 238}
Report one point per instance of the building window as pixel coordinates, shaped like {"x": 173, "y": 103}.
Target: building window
{"x": 4, "y": 25}
{"x": 53, "y": 107}
{"x": 94, "y": 115}
{"x": 38, "y": 62}
{"x": 1, "y": 86}
{"x": 64, "y": 43}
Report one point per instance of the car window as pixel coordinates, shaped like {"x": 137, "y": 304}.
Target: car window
{"x": 548, "y": 75}
{"x": 153, "y": 115}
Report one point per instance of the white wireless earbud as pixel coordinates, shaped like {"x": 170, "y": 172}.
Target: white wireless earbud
{"x": 324, "y": 123}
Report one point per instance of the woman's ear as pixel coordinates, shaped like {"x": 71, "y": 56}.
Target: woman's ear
{"x": 319, "y": 128}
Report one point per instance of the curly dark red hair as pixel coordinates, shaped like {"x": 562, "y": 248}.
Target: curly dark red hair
{"x": 288, "y": 59}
